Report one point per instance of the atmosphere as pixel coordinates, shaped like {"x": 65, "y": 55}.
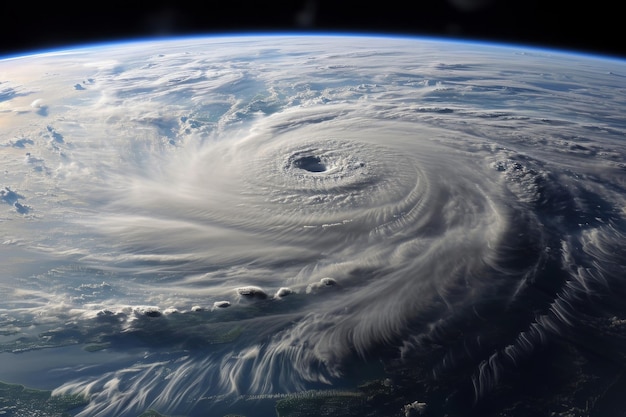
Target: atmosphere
{"x": 592, "y": 28}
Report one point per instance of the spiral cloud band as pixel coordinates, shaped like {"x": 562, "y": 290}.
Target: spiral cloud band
{"x": 256, "y": 217}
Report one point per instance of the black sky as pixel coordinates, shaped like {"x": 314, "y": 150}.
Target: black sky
{"x": 578, "y": 26}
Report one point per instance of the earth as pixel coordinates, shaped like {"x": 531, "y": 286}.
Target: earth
{"x": 305, "y": 225}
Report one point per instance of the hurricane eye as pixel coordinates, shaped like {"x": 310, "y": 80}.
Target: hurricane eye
{"x": 310, "y": 163}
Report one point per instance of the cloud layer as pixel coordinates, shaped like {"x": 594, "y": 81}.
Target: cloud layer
{"x": 260, "y": 214}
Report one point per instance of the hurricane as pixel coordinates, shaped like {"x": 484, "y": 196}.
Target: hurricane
{"x": 205, "y": 225}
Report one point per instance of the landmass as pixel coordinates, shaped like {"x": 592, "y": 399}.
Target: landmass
{"x": 17, "y": 401}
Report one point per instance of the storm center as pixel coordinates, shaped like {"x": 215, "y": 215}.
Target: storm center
{"x": 310, "y": 163}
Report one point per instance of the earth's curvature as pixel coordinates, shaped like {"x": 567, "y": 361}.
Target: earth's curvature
{"x": 312, "y": 225}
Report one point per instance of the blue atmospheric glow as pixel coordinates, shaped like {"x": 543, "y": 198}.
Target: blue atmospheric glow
{"x": 528, "y": 48}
